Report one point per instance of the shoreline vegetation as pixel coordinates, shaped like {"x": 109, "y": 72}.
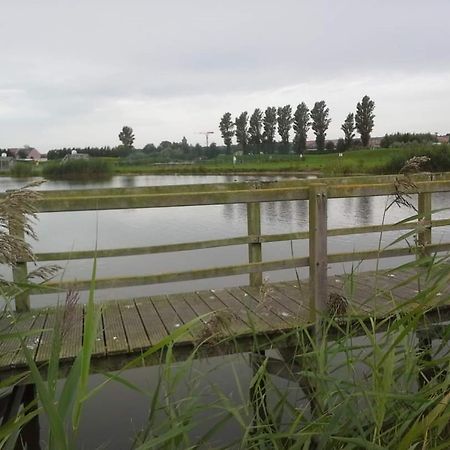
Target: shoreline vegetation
{"x": 352, "y": 162}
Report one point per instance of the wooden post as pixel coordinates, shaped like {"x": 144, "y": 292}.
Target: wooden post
{"x": 254, "y": 249}
{"x": 20, "y": 271}
{"x": 318, "y": 261}
{"x": 424, "y": 211}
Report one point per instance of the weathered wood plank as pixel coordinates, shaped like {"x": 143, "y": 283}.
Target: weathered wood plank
{"x": 115, "y": 337}
{"x": 260, "y": 308}
{"x": 287, "y": 307}
{"x": 99, "y": 345}
{"x": 224, "y": 311}
{"x": 10, "y": 346}
{"x": 72, "y": 332}
{"x": 32, "y": 342}
{"x": 270, "y": 300}
{"x": 169, "y": 317}
{"x": 45, "y": 343}
{"x": 134, "y": 329}
{"x": 156, "y": 331}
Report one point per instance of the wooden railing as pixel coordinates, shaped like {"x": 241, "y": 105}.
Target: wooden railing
{"x": 316, "y": 192}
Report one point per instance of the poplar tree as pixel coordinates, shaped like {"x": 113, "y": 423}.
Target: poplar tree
{"x": 364, "y": 119}
{"x": 270, "y": 124}
{"x": 320, "y": 123}
{"x": 301, "y": 127}
{"x": 348, "y": 127}
{"x": 241, "y": 130}
{"x": 284, "y": 123}
{"x": 226, "y": 127}
{"x": 255, "y": 127}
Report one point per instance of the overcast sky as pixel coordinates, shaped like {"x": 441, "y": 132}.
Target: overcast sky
{"x": 73, "y": 72}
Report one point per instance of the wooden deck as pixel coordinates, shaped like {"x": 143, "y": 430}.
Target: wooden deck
{"x": 128, "y": 328}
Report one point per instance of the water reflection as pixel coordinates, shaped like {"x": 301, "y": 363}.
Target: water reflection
{"x": 364, "y": 210}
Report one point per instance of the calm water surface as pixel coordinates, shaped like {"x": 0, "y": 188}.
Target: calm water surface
{"x": 116, "y": 413}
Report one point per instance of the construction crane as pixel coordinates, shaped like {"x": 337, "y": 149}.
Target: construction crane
{"x": 206, "y": 134}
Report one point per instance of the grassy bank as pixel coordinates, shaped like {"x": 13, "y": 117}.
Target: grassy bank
{"x": 363, "y": 161}
{"x": 78, "y": 169}
{"x": 374, "y": 161}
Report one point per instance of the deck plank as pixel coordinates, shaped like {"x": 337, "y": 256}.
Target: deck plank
{"x": 99, "y": 349}
{"x": 130, "y": 326}
{"x": 10, "y": 346}
{"x": 45, "y": 344}
{"x": 262, "y": 309}
{"x": 223, "y": 311}
{"x": 134, "y": 329}
{"x": 156, "y": 331}
{"x": 280, "y": 304}
{"x": 169, "y": 317}
{"x": 32, "y": 341}
{"x": 115, "y": 337}
{"x": 72, "y": 333}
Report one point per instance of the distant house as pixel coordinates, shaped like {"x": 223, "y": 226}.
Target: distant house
{"x": 24, "y": 153}
{"x": 443, "y": 139}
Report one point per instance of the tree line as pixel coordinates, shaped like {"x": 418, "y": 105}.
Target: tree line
{"x": 258, "y": 131}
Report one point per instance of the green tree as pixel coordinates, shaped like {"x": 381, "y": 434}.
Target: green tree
{"x": 184, "y": 145}
{"x": 126, "y": 136}
{"x": 254, "y": 130}
{"x": 270, "y": 124}
{"x": 241, "y": 130}
{"x": 284, "y": 123}
{"x": 348, "y": 127}
{"x": 301, "y": 127}
{"x": 226, "y": 127}
{"x": 320, "y": 123}
{"x": 364, "y": 119}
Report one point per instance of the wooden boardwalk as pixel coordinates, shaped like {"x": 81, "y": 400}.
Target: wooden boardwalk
{"x": 128, "y": 328}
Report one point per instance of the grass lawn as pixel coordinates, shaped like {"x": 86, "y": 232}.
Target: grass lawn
{"x": 356, "y": 161}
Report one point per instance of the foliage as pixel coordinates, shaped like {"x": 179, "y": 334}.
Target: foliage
{"x": 241, "y": 130}
{"x": 284, "y": 123}
{"x": 254, "y": 130}
{"x": 126, "y": 136}
{"x": 78, "y": 168}
{"x": 22, "y": 169}
{"x": 329, "y": 146}
{"x": 91, "y": 151}
{"x": 320, "y": 123}
{"x": 439, "y": 158}
{"x": 341, "y": 146}
{"x": 226, "y": 127}
{"x": 364, "y": 119}
{"x": 301, "y": 127}
{"x": 269, "y": 124}
{"x": 394, "y": 140}
{"x": 348, "y": 127}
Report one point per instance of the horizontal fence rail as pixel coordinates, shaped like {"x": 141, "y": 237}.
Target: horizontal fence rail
{"x": 316, "y": 192}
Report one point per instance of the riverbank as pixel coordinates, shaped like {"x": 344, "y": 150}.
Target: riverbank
{"x": 363, "y": 161}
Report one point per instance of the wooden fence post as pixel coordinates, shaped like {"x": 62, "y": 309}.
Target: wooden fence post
{"x": 20, "y": 271}
{"x": 254, "y": 249}
{"x": 424, "y": 211}
{"x": 318, "y": 260}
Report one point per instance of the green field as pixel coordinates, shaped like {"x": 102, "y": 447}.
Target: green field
{"x": 352, "y": 162}
{"x": 364, "y": 161}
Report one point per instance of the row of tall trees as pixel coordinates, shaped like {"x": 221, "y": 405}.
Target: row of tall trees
{"x": 261, "y": 127}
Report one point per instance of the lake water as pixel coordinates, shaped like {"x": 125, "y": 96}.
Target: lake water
{"x": 116, "y": 413}
{"x": 133, "y": 228}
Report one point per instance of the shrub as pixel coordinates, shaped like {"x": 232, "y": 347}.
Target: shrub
{"x": 78, "y": 168}
{"x": 22, "y": 170}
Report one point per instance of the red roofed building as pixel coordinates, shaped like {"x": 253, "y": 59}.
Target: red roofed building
{"x": 24, "y": 153}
